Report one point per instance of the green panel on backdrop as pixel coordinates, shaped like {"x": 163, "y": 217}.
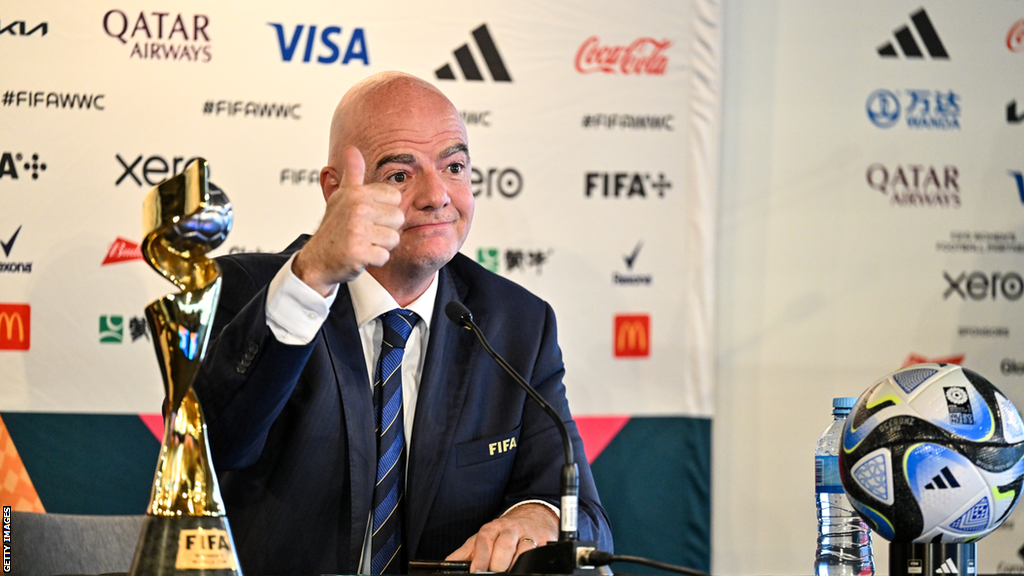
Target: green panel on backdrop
{"x": 86, "y": 463}
{"x": 654, "y": 477}
{"x": 655, "y": 482}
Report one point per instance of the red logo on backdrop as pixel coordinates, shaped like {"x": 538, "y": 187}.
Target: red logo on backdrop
{"x": 1015, "y": 37}
{"x": 643, "y": 56}
{"x": 15, "y": 326}
{"x": 632, "y": 335}
{"x": 122, "y": 251}
{"x": 957, "y": 359}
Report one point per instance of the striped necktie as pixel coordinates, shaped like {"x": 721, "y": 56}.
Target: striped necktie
{"x": 386, "y": 541}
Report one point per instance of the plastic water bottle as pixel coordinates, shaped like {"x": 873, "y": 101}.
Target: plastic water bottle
{"x": 844, "y": 540}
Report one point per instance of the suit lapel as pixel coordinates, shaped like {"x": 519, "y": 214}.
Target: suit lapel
{"x": 346, "y": 353}
{"x": 442, "y": 393}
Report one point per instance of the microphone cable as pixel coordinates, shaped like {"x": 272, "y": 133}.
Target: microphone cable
{"x": 602, "y": 558}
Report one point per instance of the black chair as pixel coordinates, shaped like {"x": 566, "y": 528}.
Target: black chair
{"x": 49, "y": 544}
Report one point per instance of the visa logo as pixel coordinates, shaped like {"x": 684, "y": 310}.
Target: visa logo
{"x": 1019, "y": 179}
{"x": 289, "y": 42}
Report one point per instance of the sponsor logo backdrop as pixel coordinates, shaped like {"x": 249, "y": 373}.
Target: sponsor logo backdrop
{"x": 594, "y": 139}
{"x": 872, "y": 217}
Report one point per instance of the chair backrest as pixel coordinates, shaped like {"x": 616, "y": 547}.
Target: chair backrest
{"x": 48, "y": 544}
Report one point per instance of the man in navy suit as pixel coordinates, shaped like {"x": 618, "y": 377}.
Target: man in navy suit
{"x": 286, "y": 386}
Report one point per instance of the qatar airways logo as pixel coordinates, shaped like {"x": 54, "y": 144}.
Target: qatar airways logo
{"x": 644, "y": 56}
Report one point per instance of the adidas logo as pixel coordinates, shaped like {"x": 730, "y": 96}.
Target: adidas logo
{"x": 947, "y": 567}
{"x": 908, "y": 44}
{"x": 470, "y": 70}
{"x": 937, "y": 482}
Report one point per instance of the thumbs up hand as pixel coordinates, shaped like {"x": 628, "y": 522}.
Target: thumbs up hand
{"x": 360, "y": 226}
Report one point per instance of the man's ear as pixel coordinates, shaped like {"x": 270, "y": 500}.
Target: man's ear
{"x": 328, "y": 181}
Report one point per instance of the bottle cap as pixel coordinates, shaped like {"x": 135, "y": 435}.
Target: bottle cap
{"x": 846, "y": 403}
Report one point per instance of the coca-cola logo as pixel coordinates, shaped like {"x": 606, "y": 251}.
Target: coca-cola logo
{"x": 644, "y": 56}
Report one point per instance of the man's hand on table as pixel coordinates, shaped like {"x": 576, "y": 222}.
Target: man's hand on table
{"x": 499, "y": 542}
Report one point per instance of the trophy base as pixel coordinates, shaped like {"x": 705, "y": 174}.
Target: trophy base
{"x": 185, "y": 546}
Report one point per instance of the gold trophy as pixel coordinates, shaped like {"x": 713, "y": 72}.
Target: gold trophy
{"x": 185, "y": 530}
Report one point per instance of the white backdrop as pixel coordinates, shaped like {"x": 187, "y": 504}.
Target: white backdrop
{"x": 827, "y": 283}
{"x": 824, "y": 284}
{"x": 649, "y": 120}
{"x": 595, "y": 171}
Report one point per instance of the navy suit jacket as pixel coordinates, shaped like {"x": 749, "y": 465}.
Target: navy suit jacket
{"x": 292, "y": 434}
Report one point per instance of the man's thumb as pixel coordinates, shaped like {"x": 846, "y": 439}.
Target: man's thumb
{"x": 353, "y": 167}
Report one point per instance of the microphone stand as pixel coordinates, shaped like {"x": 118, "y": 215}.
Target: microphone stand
{"x": 568, "y": 555}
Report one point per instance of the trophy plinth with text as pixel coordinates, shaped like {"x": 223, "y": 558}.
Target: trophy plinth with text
{"x": 186, "y": 530}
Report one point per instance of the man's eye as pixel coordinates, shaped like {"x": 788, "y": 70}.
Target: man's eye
{"x": 397, "y": 178}
{"x": 455, "y": 168}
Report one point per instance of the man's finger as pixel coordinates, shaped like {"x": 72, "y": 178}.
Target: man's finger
{"x": 389, "y": 217}
{"x": 481, "y": 555}
{"x": 525, "y": 545}
{"x": 504, "y": 550}
{"x": 353, "y": 169}
{"x": 384, "y": 237}
{"x": 387, "y": 194}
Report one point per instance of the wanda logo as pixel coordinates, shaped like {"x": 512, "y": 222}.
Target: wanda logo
{"x": 643, "y": 56}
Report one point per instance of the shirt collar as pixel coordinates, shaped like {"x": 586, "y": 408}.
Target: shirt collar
{"x": 370, "y": 300}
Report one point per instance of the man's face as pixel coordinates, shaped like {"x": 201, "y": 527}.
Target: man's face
{"x": 416, "y": 141}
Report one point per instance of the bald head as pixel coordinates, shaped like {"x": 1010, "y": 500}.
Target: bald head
{"x": 377, "y": 101}
{"x": 391, "y": 132}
